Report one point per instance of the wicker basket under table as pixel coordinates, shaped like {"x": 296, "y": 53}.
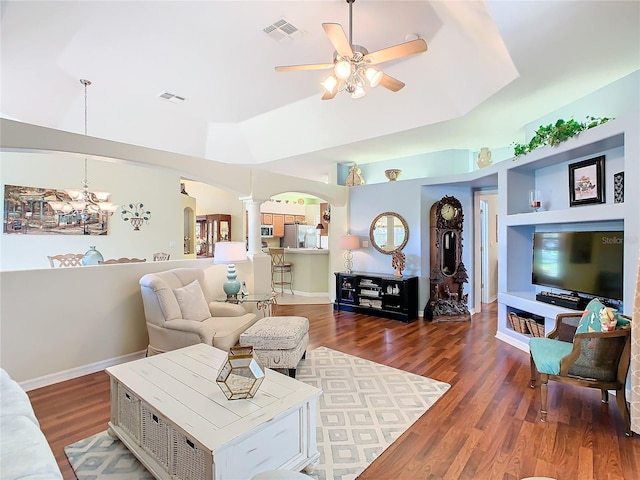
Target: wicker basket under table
{"x": 518, "y": 323}
{"x": 536, "y": 329}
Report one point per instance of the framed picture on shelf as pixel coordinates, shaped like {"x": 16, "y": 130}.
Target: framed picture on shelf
{"x": 586, "y": 182}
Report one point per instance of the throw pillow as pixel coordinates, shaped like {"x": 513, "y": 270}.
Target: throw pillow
{"x": 192, "y": 303}
{"x": 598, "y": 318}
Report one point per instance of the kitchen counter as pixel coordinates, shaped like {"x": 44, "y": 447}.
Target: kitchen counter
{"x": 303, "y": 251}
{"x": 310, "y": 270}
{"x": 307, "y": 251}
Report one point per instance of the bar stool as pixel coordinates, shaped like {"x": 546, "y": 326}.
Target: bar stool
{"x": 280, "y": 268}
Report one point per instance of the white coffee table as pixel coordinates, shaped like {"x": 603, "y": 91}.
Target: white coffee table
{"x": 171, "y": 414}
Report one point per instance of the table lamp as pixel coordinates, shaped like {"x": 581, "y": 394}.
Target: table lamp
{"x": 348, "y": 243}
{"x": 230, "y": 253}
{"x": 319, "y": 228}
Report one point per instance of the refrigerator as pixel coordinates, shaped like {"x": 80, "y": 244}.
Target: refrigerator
{"x": 300, "y": 236}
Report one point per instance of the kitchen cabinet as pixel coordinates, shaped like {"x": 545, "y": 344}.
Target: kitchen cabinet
{"x": 209, "y": 230}
{"x": 278, "y": 225}
{"x": 301, "y": 219}
{"x": 289, "y": 219}
{"x": 267, "y": 218}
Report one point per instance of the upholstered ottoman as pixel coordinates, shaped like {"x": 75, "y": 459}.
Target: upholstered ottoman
{"x": 278, "y": 342}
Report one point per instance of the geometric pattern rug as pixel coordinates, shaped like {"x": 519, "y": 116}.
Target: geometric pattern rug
{"x": 364, "y": 408}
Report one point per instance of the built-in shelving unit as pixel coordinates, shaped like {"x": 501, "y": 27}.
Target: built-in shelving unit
{"x": 546, "y": 169}
{"x": 379, "y": 295}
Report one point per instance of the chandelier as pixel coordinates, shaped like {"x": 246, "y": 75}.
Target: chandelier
{"x": 81, "y": 202}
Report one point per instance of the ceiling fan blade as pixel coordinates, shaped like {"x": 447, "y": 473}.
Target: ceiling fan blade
{"x": 397, "y": 51}
{"x": 329, "y": 95}
{"x": 338, "y": 39}
{"x": 311, "y": 66}
{"x": 391, "y": 83}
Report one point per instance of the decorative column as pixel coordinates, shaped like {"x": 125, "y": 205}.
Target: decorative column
{"x": 253, "y": 227}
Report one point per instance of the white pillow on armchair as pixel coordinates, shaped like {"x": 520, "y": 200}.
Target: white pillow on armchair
{"x": 192, "y": 303}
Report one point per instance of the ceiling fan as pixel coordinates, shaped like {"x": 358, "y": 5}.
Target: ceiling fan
{"x": 352, "y": 64}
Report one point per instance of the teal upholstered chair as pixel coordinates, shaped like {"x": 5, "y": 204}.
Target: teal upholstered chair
{"x": 593, "y": 359}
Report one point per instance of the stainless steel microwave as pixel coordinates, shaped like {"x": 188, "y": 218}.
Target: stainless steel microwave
{"x": 266, "y": 231}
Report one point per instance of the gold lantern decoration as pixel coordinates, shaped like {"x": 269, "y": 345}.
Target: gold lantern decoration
{"x": 241, "y": 374}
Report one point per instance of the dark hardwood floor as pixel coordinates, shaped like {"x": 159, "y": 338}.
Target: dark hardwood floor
{"x": 487, "y": 426}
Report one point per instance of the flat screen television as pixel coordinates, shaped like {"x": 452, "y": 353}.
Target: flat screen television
{"x": 591, "y": 263}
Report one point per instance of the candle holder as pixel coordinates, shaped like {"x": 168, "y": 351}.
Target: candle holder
{"x": 535, "y": 200}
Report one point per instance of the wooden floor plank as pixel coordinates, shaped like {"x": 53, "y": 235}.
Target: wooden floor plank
{"x": 487, "y": 426}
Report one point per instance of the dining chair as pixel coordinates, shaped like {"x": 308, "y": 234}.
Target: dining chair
{"x": 161, "y": 256}
{"x": 66, "y": 260}
{"x": 112, "y": 261}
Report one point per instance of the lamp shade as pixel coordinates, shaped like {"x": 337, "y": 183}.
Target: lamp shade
{"x": 349, "y": 242}
{"x": 319, "y": 226}
{"x": 230, "y": 252}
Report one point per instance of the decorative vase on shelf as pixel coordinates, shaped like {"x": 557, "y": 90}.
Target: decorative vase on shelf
{"x": 392, "y": 174}
{"x": 535, "y": 200}
{"x": 92, "y": 257}
{"x": 484, "y": 157}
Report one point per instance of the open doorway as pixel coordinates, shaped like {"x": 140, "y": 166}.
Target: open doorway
{"x": 486, "y": 237}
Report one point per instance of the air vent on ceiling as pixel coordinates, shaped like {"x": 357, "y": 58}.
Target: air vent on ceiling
{"x": 171, "y": 97}
{"x": 280, "y": 30}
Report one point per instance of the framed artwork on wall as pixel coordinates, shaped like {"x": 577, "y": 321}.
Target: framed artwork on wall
{"x": 586, "y": 182}
{"x": 27, "y": 212}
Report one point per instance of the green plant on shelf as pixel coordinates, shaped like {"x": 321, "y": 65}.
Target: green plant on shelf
{"x": 553, "y": 134}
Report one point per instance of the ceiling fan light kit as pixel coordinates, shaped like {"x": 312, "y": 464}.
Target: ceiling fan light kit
{"x": 352, "y": 64}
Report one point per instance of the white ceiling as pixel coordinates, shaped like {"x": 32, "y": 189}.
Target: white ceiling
{"x": 491, "y": 68}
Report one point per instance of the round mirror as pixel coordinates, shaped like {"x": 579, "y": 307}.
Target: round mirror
{"x": 389, "y": 232}
{"x": 449, "y": 253}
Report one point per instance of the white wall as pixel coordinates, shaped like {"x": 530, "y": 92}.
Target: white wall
{"x": 61, "y": 323}
{"x": 66, "y": 322}
{"x": 412, "y": 200}
{"x": 157, "y": 189}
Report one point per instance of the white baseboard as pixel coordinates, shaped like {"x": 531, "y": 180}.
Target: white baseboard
{"x": 309, "y": 294}
{"x": 513, "y": 342}
{"x": 78, "y": 371}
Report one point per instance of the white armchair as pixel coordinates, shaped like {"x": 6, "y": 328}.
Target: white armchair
{"x": 179, "y": 312}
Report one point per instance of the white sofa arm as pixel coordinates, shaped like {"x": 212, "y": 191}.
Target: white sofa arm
{"x": 224, "y": 309}
{"x": 205, "y": 330}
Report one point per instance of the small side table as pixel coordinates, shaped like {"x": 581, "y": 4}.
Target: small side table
{"x": 263, "y": 301}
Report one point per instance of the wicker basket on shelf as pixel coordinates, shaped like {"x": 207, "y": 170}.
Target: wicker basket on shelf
{"x": 519, "y": 324}
{"x": 536, "y": 329}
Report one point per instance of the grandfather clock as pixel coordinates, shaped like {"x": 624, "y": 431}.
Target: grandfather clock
{"x": 447, "y": 302}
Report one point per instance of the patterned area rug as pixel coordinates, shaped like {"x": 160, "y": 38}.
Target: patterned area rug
{"x": 364, "y": 408}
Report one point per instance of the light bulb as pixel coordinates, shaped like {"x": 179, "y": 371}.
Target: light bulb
{"x": 330, "y": 84}
{"x": 342, "y": 69}
{"x": 374, "y": 76}
{"x": 74, "y": 194}
{"x": 358, "y": 92}
{"x": 57, "y": 206}
{"x": 107, "y": 207}
{"x": 78, "y": 206}
{"x": 102, "y": 196}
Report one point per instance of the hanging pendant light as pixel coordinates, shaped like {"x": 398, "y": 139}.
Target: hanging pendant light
{"x": 83, "y": 203}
